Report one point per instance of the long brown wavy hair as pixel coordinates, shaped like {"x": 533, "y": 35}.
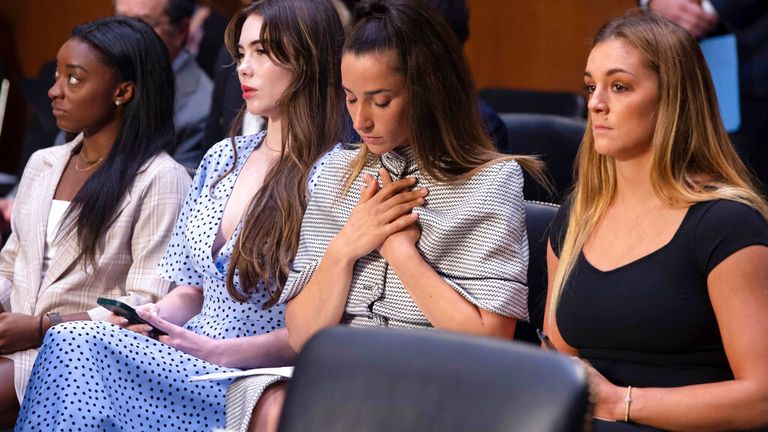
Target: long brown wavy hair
{"x": 693, "y": 158}
{"x": 306, "y": 37}
{"x": 443, "y": 121}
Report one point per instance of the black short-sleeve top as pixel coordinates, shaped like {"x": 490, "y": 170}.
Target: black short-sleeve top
{"x": 650, "y": 323}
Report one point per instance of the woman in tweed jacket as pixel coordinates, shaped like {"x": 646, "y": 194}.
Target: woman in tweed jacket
{"x": 423, "y": 225}
{"x": 92, "y": 217}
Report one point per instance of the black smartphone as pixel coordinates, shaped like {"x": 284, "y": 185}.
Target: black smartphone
{"x": 545, "y": 340}
{"x": 126, "y": 311}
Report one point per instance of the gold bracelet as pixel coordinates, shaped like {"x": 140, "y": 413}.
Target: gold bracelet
{"x": 628, "y": 402}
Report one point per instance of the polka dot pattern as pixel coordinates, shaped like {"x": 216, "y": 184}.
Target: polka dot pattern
{"x": 93, "y": 376}
{"x": 188, "y": 259}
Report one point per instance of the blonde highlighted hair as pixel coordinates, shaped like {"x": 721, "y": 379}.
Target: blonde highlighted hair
{"x": 693, "y": 158}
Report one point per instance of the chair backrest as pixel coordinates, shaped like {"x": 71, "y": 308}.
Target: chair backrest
{"x": 538, "y": 217}
{"x": 376, "y": 380}
{"x": 555, "y": 139}
{"x": 506, "y": 100}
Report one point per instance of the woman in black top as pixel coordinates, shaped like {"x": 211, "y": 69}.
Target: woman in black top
{"x": 658, "y": 266}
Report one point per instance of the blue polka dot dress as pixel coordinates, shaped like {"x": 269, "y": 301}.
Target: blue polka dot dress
{"x": 93, "y": 376}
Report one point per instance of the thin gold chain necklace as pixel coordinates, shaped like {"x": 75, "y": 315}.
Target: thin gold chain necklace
{"x": 89, "y": 164}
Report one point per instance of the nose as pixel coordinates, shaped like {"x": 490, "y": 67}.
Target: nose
{"x": 55, "y": 90}
{"x": 244, "y": 68}
{"x": 597, "y": 102}
{"x": 361, "y": 118}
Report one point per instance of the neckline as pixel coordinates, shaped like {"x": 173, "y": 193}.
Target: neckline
{"x": 254, "y": 145}
{"x": 647, "y": 256}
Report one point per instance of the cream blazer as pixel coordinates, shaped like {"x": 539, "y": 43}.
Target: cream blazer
{"x": 125, "y": 260}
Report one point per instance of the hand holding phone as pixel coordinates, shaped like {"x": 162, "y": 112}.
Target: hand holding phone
{"x": 545, "y": 340}
{"x": 128, "y": 312}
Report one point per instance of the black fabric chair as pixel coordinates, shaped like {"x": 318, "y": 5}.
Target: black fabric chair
{"x": 376, "y": 380}
{"x": 555, "y": 139}
{"x": 506, "y": 100}
{"x": 538, "y": 217}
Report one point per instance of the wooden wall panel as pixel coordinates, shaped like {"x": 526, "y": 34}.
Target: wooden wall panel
{"x": 30, "y": 35}
{"x": 41, "y": 27}
{"x": 535, "y": 44}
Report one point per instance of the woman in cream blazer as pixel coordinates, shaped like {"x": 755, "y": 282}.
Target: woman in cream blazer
{"x": 92, "y": 217}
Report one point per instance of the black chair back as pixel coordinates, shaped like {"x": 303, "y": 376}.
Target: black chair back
{"x": 555, "y": 139}
{"x": 506, "y": 100}
{"x": 538, "y": 217}
{"x": 377, "y": 380}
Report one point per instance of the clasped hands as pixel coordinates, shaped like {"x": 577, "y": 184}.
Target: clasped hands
{"x": 383, "y": 219}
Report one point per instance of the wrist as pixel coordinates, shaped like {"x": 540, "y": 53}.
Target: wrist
{"x": 213, "y": 353}
{"x": 339, "y": 255}
{"x": 405, "y": 254}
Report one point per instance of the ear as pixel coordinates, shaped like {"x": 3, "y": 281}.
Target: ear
{"x": 124, "y": 93}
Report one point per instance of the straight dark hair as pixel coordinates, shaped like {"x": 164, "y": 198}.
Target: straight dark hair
{"x": 306, "y": 37}
{"x": 444, "y": 126}
{"x": 132, "y": 49}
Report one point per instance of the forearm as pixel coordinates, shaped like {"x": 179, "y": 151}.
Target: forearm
{"x": 321, "y": 303}
{"x": 443, "y": 306}
{"x": 181, "y": 304}
{"x": 704, "y": 407}
{"x": 266, "y": 350}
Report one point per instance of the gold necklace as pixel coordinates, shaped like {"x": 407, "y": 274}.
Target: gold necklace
{"x": 90, "y": 164}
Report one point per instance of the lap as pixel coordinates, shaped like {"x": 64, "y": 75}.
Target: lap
{"x": 607, "y": 426}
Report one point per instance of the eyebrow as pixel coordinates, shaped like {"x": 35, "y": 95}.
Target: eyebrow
{"x": 369, "y": 93}
{"x": 612, "y": 71}
{"x": 252, "y": 43}
{"x": 75, "y": 66}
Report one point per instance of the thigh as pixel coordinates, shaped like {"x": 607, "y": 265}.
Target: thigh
{"x": 9, "y": 404}
{"x": 266, "y": 413}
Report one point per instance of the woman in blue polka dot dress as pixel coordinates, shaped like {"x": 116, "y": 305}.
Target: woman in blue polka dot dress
{"x": 229, "y": 255}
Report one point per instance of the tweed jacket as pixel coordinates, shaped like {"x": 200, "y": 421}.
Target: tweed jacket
{"x": 126, "y": 257}
{"x": 472, "y": 234}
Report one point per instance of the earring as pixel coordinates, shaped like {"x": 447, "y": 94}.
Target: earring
{"x": 117, "y": 103}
